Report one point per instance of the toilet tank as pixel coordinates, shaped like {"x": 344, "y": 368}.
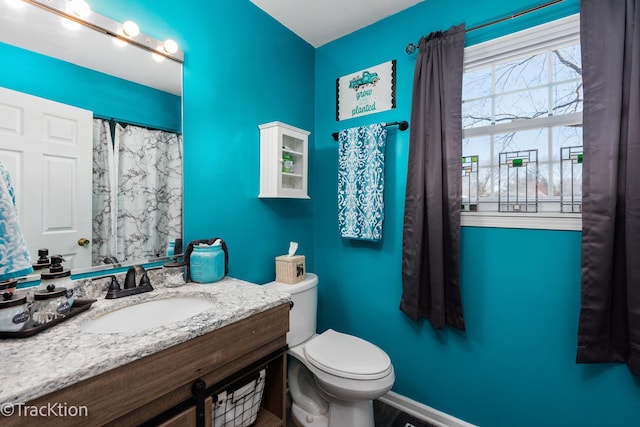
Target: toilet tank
{"x": 302, "y": 317}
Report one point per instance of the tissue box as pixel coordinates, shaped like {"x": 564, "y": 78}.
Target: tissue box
{"x": 290, "y": 270}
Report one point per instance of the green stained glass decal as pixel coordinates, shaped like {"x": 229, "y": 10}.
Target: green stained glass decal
{"x": 470, "y": 183}
{"x": 571, "y": 179}
{"x": 518, "y": 181}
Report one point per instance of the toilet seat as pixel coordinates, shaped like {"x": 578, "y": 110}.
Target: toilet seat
{"x": 347, "y": 356}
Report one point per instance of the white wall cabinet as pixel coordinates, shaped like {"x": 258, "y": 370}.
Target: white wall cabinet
{"x": 283, "y": 161}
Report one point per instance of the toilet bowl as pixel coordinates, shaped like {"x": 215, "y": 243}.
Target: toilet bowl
{"x": 333, "y": 377}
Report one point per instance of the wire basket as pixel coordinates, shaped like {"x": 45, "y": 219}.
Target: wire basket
{"x": 239, "y": 408}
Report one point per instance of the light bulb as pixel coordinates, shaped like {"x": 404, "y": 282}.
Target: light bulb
{"x": 130, "y": 28}
{"x": 80, "y": 8}
{"x": 157, "y": 57}
{"x": 170, "y": 46}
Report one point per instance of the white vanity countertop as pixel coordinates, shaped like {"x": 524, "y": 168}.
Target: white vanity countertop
{"x": 64, "y": 355}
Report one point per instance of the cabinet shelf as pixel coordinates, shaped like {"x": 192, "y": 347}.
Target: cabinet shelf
{"x": 295, "y": 153}
{"x": 296, "y": 175}
{"x": 283, "y": 161}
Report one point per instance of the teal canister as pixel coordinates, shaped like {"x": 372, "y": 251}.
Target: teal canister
{"x": 207, "y": 263}
{"x": 171, "y": 247}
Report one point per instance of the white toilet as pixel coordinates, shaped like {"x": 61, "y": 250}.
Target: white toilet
{"x": 333, "y": 377}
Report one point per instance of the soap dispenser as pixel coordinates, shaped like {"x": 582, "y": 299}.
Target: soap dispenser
{"x": 174, "y": 269}
{"x": 43, "y": 260}
{"x": 59, "y": 277}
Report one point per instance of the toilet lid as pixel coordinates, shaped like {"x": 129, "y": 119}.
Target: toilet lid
{"x": 347, "y": 356}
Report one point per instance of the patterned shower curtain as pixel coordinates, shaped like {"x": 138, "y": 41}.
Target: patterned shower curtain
{"x": 145, "y": 196}
{"x": 104, "y": 182}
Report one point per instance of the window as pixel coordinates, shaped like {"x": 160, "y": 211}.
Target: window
{"x": 522, "y": 128}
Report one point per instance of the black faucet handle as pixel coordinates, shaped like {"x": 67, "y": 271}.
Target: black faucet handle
{"x": 114, "y": 285}
{"x": 144, "y": 280}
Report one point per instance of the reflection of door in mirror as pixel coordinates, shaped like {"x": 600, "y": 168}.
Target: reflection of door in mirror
{"x": 44, "y": 147}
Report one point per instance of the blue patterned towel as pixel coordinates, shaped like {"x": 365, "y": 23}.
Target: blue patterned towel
{"x": 361, "y": 181}
{"x": 15, "y": 260}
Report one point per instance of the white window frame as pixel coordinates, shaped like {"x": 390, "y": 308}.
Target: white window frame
{"x": 561, "y": 32}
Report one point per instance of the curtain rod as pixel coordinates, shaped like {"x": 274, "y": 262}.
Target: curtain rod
{"x": 125, "y": 123}
{"x": 402, "y": 125}
{"x": 411, "y": 47}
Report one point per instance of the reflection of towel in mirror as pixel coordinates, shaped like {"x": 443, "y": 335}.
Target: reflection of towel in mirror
{"x": 15, "y": 260}
{"x": 361, "y": 182}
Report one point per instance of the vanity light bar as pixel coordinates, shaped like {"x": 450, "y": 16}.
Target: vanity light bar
{"x": 108, "y": 26}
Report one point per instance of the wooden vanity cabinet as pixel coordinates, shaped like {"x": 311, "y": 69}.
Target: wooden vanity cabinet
{"x": 139, "y": 391}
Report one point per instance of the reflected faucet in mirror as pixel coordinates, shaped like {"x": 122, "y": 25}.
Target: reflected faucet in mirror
{"x": 102, "y": 75}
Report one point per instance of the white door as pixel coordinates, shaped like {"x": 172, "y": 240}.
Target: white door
{"x": 47, "y": 147}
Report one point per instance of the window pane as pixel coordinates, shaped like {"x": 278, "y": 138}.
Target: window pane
{"x": 522, "y": 73}
{"x": 517, "y": 93}
{"x": 479, "y": 146}
{"x": 476, "y": 113}
{"x": 525, "y": 140}
{"x": 565, "y": 136}
{"x": 569, "y": 185}
{"x": 522, "y": 105}
{"x": 488, "y": 182}
{"x": 476, "y": 84}
{"x": 567, "y": 64}
{"x": 545, "y": 182}
{"x": 567, "y": 98}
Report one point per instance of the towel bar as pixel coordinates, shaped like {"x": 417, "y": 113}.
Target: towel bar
{"x": 402, "y": 125}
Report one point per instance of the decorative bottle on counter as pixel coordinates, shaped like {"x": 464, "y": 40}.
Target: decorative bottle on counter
{"x": 59, "y": 277}
{"x": 207, "y": 263}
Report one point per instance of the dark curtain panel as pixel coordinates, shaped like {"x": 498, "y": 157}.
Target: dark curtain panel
{"x": 609, "y": 328}
{"x": 431, "y": 235}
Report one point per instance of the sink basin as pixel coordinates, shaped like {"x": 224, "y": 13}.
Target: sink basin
{"x": 148, "y": 315}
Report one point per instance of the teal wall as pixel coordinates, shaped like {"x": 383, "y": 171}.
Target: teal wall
{"x": 105, "y": 95}
{"x": 241, "y": 69}
{"x": 515, "y": 365}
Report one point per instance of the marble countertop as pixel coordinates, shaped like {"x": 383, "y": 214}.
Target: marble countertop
{"x": 64, "y": 355}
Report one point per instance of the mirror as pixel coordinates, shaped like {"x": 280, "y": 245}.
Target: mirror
{"x": 85, "y": 68}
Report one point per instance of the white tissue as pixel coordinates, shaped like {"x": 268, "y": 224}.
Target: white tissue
{"x": 293, "y": 247}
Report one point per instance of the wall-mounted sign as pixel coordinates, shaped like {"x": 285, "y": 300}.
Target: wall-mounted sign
{"x": 366, "y": 92}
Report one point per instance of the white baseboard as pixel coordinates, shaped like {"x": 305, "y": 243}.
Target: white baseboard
{"x": 422, "y": 412}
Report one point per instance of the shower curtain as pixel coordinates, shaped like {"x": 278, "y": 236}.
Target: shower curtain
{"x": 431, "y": 235}
{"x": 609, "y": 326}
{"x": 143, "y": 200}
{"x": 104, "y": 182}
